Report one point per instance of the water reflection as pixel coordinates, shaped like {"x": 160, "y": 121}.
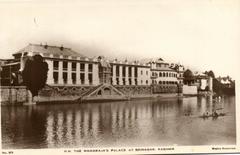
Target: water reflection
{"x": 133, "y": 123}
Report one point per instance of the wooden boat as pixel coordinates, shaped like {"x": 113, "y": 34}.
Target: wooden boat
{"x": 214, "y": 116}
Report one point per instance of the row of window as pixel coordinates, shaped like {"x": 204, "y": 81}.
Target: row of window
{"x": 74, "y": 77}
{"x": 164, "y": 82}
{"x": 164, "y": 74}
{"x": 73, "y": 66}
{"x": 124, "y": 71}
{"x": 129, "y": 81}
{"x": 160, "y": 65}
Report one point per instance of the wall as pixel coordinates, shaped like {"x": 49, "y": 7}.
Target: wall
{"x": 13, "y": 95}
{"x": 62, "y": 93}
{"x": 144, "y": 76}
{"x": 189, "y": 90}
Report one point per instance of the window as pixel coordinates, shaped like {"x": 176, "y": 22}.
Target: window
{"x": 146, "y": 72}
{"x": 129, "y": 71}
{"x": 90, "y": 78}
{"x": 64, "y": 77}
{"x": 65, "y": 65}
{"x": 111, "y": 70}
{"x": 130, "y": 81}
{"x": 160, "y": 74}
{"x": 141, "y": 81}
{"x": 146, "y": 81}
{"x": 136, "y": 72}
{"x": 82, "y": 67}
{"x": 55, "y": 65}
{"x": 82, "y": 78}
{"x": 74, "y": 78}
{"x": 141, "y": 72}
{"x": 55, "y": 77}
{"x": 163, "y": 74}
{"x": 73, "y": 66}
{"x": 166, "y": 74}
{"x": 124, "y": 71}
{"x": 117, "y": 81}
{"x": 90, "y": 67}
{"x": 117, "y": 70}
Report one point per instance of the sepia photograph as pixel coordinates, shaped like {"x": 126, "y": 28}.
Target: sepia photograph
{"x": 119, "y": 77}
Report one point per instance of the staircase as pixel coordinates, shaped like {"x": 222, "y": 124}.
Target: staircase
{"x": 107, "y": 93}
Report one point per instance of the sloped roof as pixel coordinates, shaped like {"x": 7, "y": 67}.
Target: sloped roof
{"x": 55, "y": 50}
{"x": 153, "y": 60}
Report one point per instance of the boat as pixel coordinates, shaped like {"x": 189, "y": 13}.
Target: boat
{"x": 214, "y": 116}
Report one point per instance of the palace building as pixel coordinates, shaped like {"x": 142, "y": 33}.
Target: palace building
{"x": 70, "y": 68}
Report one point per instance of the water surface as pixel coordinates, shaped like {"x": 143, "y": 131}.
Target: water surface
{"x": 152, "y": 122}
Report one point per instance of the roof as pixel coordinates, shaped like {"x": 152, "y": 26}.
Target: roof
{"x": 163, "y": 69}
{"x": 47, "y": 49}
{"x": 153, "y": 60}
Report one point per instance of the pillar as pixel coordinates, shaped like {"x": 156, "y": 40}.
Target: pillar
{"x": 120, "y": 76}
{"x": 114, "y": 75}
{"x": 60, "y": 73}
{"x": 126, "y": 77}
{"x": 132, "y": 76}
{"x": 210, "y": 84}
{"x": 86, "y": 74}
{"x": 78, "y": 81}
{"x": 95, "y": 74}
{"x": 50, "y": 79}
{"x": 69, "y": 73}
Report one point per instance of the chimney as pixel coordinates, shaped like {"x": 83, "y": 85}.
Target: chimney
{"x": 46, "y": 46}
{"x": 61, "y": 48}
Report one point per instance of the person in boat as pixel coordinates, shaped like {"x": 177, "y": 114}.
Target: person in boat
{"x": 205, "y": 114}
{"x": 215, "y": 114}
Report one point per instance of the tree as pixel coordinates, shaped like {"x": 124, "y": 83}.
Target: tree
{"x": 188, "y": 77}
{"x": 210, "y": 73}
{"x": 35, "y": 74}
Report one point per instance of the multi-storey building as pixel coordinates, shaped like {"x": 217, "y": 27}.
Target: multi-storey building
{"x": 66, "y": 67}
{"x": 180, "y": 70}
{"x": 161, "y": 73}
{"x": 70, "y": 68}
{"x": 130, "y": 73}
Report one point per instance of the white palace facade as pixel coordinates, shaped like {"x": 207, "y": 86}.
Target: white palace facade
{"x": 68, "y": 68}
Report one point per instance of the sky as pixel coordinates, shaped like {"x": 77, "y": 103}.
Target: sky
{"x": 200, "y": 34}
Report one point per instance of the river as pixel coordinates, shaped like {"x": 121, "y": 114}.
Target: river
{"x": 149, "y": 122}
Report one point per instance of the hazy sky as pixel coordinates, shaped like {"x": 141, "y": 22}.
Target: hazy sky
{"x": 203, "y": 34}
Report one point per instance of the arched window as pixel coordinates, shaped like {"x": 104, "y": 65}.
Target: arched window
{"x": 167, "y": 74}
{"x": 160, "y": 74}
{"x": 163, "y": 82}
{"x": 163, "y": 74}
{"x": 146, "y": 81}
